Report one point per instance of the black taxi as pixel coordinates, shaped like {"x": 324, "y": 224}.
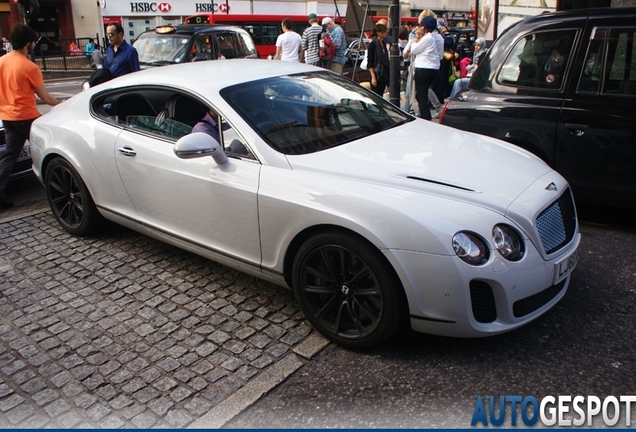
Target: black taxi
{"x": 563, "y": 86}
{"x": 172, "y": 44}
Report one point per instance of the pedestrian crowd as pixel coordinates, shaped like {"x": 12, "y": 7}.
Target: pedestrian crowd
{"x": 432, "y": 67}
{"x": 322, "y": 44}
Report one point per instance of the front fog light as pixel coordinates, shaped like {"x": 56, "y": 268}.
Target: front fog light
{"x": 470, "y": 248}
{"x": 508, "y": 242}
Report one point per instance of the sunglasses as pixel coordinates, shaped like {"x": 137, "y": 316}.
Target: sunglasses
{"x": 110, "y": 35}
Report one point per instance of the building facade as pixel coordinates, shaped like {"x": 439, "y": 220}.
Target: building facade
{"x": 60, "y": 20}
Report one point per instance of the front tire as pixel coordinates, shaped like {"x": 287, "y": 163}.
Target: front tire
{"x": 70, "y": 201}
{"x": 347, "y": 290}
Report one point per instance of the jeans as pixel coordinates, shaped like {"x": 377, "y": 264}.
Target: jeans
{"x": 15, "y": 133}
{"x": 458, "y": 85}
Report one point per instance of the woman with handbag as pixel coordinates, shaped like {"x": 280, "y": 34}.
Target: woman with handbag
{"x": 378, "y": 60}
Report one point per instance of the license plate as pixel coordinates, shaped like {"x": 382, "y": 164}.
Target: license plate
{"x": 26, "y": 151}
{"x": 565, "y": 266}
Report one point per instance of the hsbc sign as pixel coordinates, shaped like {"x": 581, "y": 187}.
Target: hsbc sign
{"x": 150, "y": 7}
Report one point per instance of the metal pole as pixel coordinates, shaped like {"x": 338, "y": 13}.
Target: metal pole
{"x": 394, "y": 78}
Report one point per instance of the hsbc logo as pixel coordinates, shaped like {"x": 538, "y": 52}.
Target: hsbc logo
{"x": 150, "y": 7}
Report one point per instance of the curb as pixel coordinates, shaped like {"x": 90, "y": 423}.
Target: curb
{"x": 254, "y": 390}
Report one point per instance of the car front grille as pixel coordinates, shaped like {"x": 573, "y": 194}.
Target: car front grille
{"x": 482, "y": 301}
{"x": 530, "y": 304}
{"x": 556, "y": 224}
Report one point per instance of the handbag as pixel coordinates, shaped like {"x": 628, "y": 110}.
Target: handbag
{"x": 365, "y": 62}
{"x": 454, "y": 75}
{"x": 99, "y": 76}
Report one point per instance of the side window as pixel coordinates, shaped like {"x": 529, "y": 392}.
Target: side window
{"x": 610, "y": 62}
{"x": 248, "y": 45}
{"x": 621, "y": 62}
{"x": 539, "y": 60}
{"x": 229, "y": 46}
{"x": 202, "y": 47}
{"x": 593, "y": 67}
{"x": 232, "y": 142}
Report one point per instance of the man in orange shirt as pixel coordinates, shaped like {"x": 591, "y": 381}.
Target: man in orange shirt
{"x": 20, "y": 78}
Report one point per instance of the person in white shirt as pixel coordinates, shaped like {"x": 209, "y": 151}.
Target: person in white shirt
{"x": 426, "y": 63}
{"x": 289, "y": 45}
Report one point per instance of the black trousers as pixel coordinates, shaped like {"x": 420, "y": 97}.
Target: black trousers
{"x": 382, "y": 83}
{"x": 423, "y": 80}
{"x": 15, "y": 134}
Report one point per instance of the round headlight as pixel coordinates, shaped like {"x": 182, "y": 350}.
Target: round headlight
{"x": 508, "y": 242}
{"x": 470, "y": 248}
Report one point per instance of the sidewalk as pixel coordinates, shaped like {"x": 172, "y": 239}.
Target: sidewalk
{"x": 118, "y": 330}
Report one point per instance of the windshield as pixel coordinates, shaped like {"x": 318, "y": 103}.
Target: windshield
{"x": 159, "y": 49}
{"x": 300, "y": 114}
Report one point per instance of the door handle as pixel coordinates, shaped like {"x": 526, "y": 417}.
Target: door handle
{"x": 576, "y": 129}
{"x": 127, "y": 151}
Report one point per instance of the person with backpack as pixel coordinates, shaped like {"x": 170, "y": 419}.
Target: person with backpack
{"x": 378, "y": 60}
{"x": 311, "y": 38}
{"x": 335, "y": 36}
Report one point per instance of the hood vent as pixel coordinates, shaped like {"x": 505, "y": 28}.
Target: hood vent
{"x": 439, "y": 182}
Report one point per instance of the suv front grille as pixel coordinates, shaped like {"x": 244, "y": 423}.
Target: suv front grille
{"x": 557, "y": 223}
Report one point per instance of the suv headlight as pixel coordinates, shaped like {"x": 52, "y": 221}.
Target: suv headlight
{"x": 508, "y": 242}
{"x": 470, "y": 248}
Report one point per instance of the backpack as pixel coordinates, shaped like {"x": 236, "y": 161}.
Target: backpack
{"x": 328, "y": 51}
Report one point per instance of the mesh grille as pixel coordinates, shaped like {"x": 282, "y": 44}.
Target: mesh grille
{"x": 530, "y": 304}
{"x": 482, "y": 301}
{"x": 557, "y": 223}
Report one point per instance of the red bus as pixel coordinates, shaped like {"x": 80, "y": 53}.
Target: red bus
{"x": 263, "y": 28}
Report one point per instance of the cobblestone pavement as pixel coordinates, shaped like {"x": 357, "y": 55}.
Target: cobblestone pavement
{"x": 120, "y": 330}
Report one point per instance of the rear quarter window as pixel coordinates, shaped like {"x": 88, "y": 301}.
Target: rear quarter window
{"x": 610, "y": 62}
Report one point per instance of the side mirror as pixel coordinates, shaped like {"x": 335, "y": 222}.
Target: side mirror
{"x": 199, "y": 144}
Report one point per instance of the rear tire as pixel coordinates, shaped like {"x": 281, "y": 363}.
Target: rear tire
{"x": 70, "y": 201}
{"x": 347, "y": 290}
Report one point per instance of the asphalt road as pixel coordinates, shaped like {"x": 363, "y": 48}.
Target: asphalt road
{"x": 583, "y": 346}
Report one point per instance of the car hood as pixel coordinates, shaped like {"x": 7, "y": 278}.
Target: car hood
{"x": 430, "y": 158}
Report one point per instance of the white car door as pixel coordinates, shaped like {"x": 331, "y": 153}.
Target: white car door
{"x": 195, "y": 199}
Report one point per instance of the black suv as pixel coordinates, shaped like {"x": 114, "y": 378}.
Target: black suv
{"x": 563, "y": 86}
{"x": 189, "y": 42}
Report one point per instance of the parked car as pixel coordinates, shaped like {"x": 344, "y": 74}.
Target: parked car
{"x": 563, "y": 86}
{"x": 170, "y": 44}
{"x": 375, "y": 218}
{"x": 23, "y": 165}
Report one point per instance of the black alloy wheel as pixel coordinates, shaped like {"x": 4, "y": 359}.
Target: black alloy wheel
{"x": 69, "y": 199}
{"x": 347, "y": 290}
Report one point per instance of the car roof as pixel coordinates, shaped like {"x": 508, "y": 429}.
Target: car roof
{"x": 189, "y": 29}
{"x": 196, "y": 75}
{"x": 584, "y": 13}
